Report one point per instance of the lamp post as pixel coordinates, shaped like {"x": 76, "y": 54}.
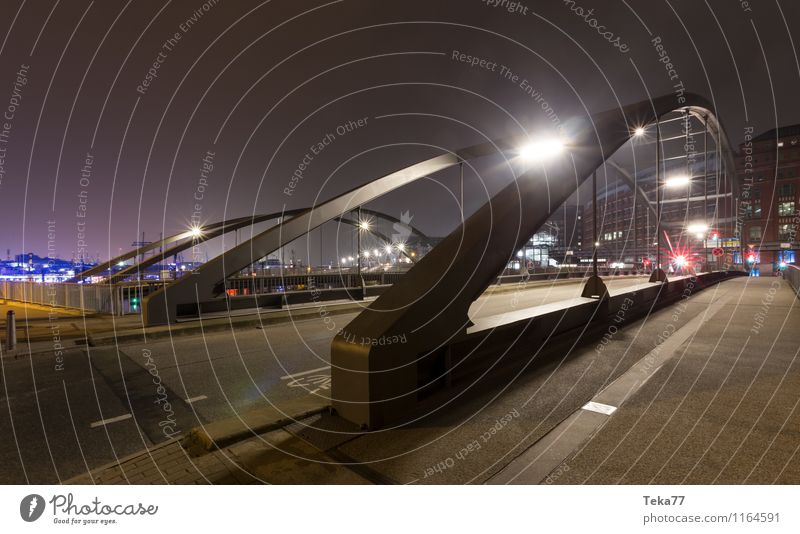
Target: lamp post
{"x": 358, "y": 245}
{"x": 658, "y": 275}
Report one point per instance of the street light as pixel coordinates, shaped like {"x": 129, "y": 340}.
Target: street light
{"x": 699, "y": 229}
{"x": 541, "y": 149}
{"x": 677, "y": 181}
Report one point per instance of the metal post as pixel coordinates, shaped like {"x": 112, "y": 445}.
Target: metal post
{"x": 635, "y": 225}
{"x": 461, "y": 171}
{"x": 658, "y": 275}
{"x": 595, "y": 242}
{"x": 358, "y": 255}
{"x": 705, "y": 191}
{"x": 658, "y": 195}
{"x": 11, "y": 330}
{"x": 594, "y": 288}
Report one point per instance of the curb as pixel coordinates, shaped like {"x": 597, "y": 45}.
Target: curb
{"x": 121, "y": 460}
{"x": 203, "y": 439}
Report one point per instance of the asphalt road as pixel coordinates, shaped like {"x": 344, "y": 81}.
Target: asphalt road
{"x": 62, "y": 417}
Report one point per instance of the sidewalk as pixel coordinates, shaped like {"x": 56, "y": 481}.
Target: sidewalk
{"x": 264, "y": 446}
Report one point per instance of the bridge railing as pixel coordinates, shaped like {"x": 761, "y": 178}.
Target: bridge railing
{"x": 100, "y": 298}
{"x": 792, "y": 275}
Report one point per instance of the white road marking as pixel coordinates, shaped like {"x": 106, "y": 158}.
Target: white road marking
{"x": 288, "y": 377}
{"x": 110, "y": 420}
{"x": 195, "y": 399}
{"x": 599, "y": 408}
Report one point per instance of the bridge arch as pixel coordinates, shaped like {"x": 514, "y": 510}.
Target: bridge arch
{"x": 592, "y": 145}
{"x": 428, "y": 307}
{"x": 182, "y": 241}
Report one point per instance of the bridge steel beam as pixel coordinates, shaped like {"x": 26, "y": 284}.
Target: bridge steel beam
{"x": 217, "y": 229}
{"x": 208, "y": 281}
{"x": 417, "y": 319}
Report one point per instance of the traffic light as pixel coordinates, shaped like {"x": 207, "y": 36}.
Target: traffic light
{"x": 134, "y": 303}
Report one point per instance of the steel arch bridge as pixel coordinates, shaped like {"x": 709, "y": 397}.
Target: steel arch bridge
{"x": 184, "y": 240}
{"x": 428, "y": 306}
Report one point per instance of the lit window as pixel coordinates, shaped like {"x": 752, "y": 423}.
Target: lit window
{"x": 786, "y": 232}
{"x": 785, "y": 209}
{"x": 755, "y": 232}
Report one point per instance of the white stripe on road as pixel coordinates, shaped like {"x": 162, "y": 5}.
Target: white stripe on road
{"x": 195, "y": 399}
{"x": 599, "y": 408}
{"x": 110, "y": 420}
{"x": 295, "y": 375}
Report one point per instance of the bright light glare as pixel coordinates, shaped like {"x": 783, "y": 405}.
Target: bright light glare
{"x": 120, "y": 264}
{"x": 538, "y": 150}
{"x": 697, "y": 228}
{"x": 196, "y": 231}
{"x": 388, "y": 249}
{"x": 680, "y": 261}
{"x": 376, "y": 252}
{"x": 639, "y": 131}
{"x": 401, "y": 247}
{"x": 344, "y": 260}
{"x": 677, "y": 181}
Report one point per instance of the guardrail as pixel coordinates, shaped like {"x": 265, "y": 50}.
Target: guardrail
{"x": 792, "y": 275}
{"x": 100, "y": 298}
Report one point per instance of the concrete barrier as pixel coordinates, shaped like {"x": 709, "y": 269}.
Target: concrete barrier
{"x": 376, "y": 392}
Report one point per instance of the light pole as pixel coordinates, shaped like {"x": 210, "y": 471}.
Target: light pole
{"x": 705, "y": 189}
{"x": 658, "y": 274}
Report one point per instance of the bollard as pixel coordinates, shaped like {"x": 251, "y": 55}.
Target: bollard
{"x": 11, "y": 330}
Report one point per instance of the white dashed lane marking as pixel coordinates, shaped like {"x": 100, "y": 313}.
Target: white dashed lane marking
{"x": 302, "y": 373}
{"x": 110, "y": 420}
{"x": 599, "y": 408}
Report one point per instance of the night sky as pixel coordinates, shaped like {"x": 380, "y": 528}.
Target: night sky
{"x": 113, "y": 108}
